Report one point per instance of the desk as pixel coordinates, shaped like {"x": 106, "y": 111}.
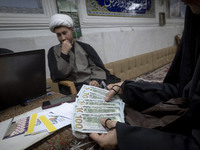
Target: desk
{"x": 62, "y": 139}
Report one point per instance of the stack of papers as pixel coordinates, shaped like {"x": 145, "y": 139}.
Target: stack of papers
{"x": 48, "y": 120}
{"x": 51, "y": 119}
{"x": 84, "y": 115}
{"x": 90, "y": 107}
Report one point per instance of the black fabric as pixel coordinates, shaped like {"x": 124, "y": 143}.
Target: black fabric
{"x": 98, "y": 62}
{"x": 138, "y": 138}
{"x": 163, "y": 116}
{"x": 181, "y": 82}
{"x": 65, "y": 57}
{"x": 142, "y": 95}
{"x": 57, "y": 76}
{"x": 5, "y": 51}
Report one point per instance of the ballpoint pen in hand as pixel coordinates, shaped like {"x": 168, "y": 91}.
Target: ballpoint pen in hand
{"x": 104, "y": 85}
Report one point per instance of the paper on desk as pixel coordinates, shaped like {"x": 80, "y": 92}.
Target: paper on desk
{"x": 17, "y": 127}
{"x": 51, "y": 119}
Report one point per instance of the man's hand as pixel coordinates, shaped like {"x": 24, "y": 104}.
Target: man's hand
{"x": 106, "y": 140}
{"x": 94, "y": 83}
{"x": 66, "y": 47}
{"x": 113, "y": 89}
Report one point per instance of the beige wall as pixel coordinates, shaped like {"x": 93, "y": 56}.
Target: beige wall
{"x": 112, "y": 42}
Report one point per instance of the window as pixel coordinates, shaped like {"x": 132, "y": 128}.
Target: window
{"x": 175, "y": 9}
{"x": 70, "y": 8}
{"x": 21, "y": 7}
{"x": 26, "y": 14}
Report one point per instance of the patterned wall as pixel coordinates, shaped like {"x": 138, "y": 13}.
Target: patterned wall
{"x": 121, "y": 8}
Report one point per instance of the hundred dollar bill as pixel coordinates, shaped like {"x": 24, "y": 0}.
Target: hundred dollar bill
{"x": 92, "y": 89}
{"x": 90, "y": 123}
{"x": 92, "y": 92}
{"x": 87, "y": 102}
{"x": 103, "y": 103}
{"x": 96, "y": 109}
{"x": 89, "y": 95}
{"x": 90, "y": 106}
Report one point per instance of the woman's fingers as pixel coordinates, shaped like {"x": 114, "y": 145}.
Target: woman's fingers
{"x": 114, "y": 89}
{"x": 108, "y": 123}
{"x": 106, "y": 140}
{"x": 96, "y": 137}
{"x": 109, "y": 95}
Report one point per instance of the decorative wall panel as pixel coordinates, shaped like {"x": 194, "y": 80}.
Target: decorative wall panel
{"x": 121, "y": 8}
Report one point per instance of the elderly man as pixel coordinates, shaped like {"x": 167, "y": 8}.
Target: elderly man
{"x": 73, "y": 60}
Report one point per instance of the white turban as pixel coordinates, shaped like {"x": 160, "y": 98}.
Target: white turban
{"x": 60, "y": 20}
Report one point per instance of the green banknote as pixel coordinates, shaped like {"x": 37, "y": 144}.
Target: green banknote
{"x": 96, "y": 109}
{"x": 90, "y": 106}
{"x": 90, "y": 123}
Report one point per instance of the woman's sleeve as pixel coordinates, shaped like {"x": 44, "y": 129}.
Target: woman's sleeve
{"x": 142, "y": 95}
{"x": 143, "y": 138}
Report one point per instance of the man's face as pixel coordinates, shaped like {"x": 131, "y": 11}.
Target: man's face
{"x": 64, "y": 33}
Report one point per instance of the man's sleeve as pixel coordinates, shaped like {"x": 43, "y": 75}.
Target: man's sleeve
{"x": 59, "y": 69}
{"x": 98, "y": 62}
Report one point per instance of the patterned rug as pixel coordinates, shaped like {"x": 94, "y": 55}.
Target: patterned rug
{"x": 62, "y": 139}
{"x": 65, "y": 139}
{"x": 157, "y": 75}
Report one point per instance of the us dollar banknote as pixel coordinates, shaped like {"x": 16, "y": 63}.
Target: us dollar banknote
{"x": 90, "y": 123}
{"x": 90, "y": 106}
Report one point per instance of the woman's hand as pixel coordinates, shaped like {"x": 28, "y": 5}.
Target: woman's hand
{"x": 106, "y": 140}
{"x": 114, "y": 89}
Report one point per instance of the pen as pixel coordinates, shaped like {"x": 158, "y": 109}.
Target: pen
{"x": 104, "y": 85}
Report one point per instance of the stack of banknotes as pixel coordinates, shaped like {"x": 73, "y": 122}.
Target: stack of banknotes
{"x": 90, "y": 106}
